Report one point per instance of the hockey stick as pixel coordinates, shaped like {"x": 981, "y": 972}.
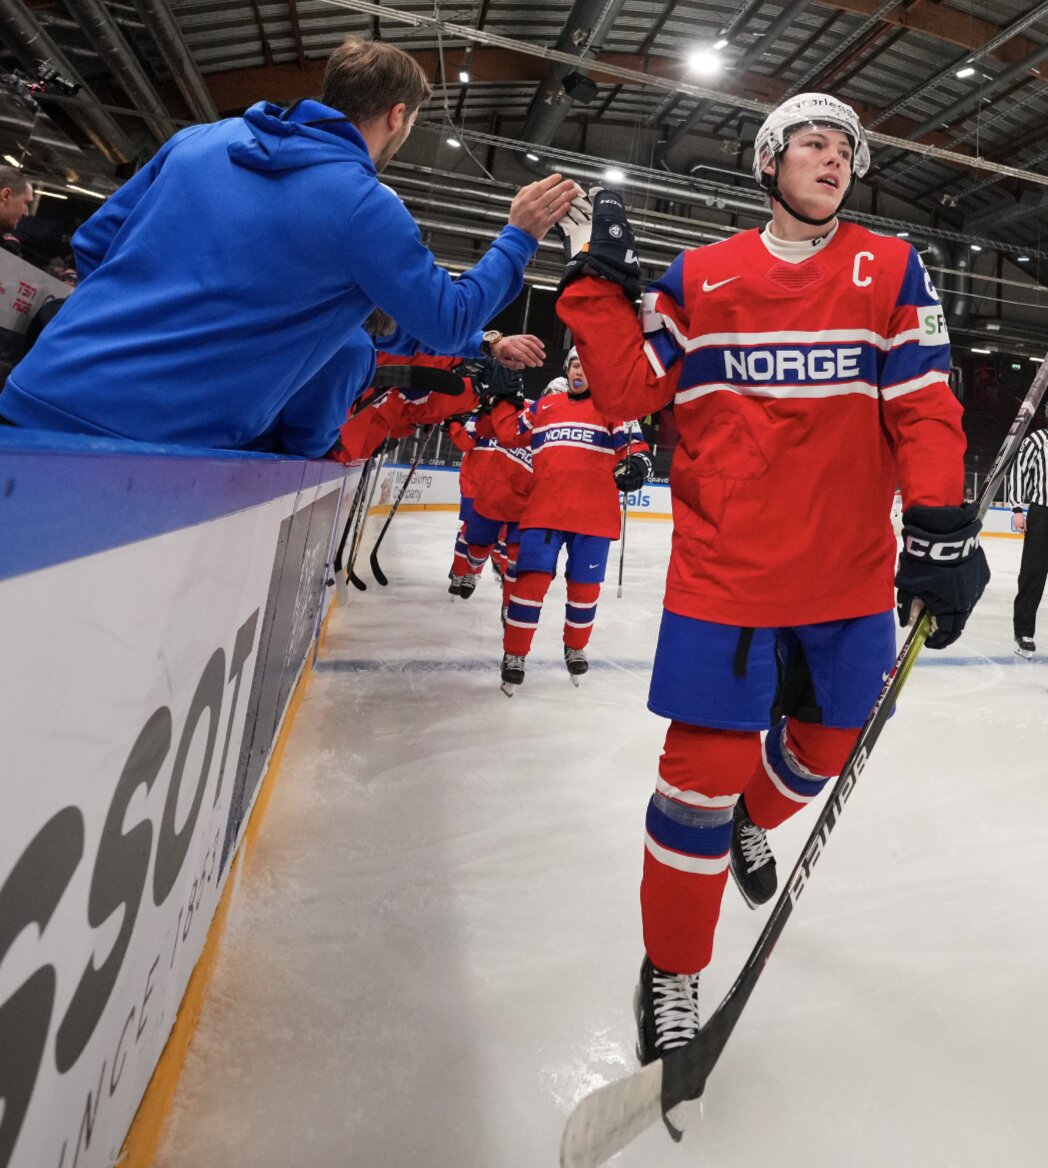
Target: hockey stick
{"x": 419, "y": 377}
{"x": 361, "y": 523}
{"x": 622, "y": 537}
{"x": 376, "y": 571}
{"x": 609, "y": 1118}
{"x": 352, "y": 515}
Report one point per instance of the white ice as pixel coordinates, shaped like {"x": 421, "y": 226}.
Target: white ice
{"x": 433, "y": 947}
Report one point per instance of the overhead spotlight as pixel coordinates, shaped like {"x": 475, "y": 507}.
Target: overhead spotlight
{"x": 464, "y": 76}
{"x": 967, "y": 71}
{"x": 10, "y": 159}
{"x": 903, "y": 234}
{"x": 986, "y": 351}
{"x": 51, "y": 194}
{"x": 85, "y": 191}
{"x": 704, "y": 63}
{"x": 974, "y": 247}
{"x": 531, "y": 156}
{"x": 721, "y": 44}
{"x": 453, "y": 142}
{"x": 614, "y": 175}
{"x": 579, "y": 88}
{"x": 1022, "y": 259}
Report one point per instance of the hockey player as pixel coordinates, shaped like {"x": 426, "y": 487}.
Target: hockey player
{"x": 808, "y": 365}
{"x": 581, "y": 459}
{"x": 503, "y": 478}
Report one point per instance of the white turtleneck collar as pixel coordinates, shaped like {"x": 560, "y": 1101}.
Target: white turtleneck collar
{"x": 796, "y": 251}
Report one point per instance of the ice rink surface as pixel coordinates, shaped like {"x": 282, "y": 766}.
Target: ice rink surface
{"x": 433, "y": 948}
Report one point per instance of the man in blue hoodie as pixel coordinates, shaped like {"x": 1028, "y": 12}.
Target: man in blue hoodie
{"x": 236, "y": 269}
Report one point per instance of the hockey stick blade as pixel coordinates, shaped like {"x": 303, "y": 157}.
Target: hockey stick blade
{"x": 608, "y": 1119}
{"x": 604, "y": 1122}
{"x": 376, "y": 571}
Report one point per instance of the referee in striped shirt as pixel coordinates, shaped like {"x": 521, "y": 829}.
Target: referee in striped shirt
{"x": 1028, "y": 484}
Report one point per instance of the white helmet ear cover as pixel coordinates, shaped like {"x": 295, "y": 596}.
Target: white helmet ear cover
{"x": 814, "y": 110}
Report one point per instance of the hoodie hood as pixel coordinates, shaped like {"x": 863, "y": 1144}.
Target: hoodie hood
{"x": 306, "y": 134}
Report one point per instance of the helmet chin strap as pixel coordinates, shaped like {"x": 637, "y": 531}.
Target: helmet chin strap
{"x": 771, "y": 185}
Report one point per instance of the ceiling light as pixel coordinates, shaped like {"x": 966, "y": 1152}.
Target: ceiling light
{"x": 704, "y": 62}
{"x": 545, "y": 287}
{"x": 987, "y": 351}
{"x": 532, "y": 156}
{"x": 1035, "y": 360}
{"x": 967, "y": 71}
{"x": 1022, "y": 259}
{"x": 614, "y": 175}
{"x": 453, "y": 142}
{"x": 12, "y": 160}
{"x": 975, "y": 247}
{"x": 994, "y": 326}
{"x": 464, "y": 76}
{"x": 85, "y": 191}
{"x": 903, "y": 234}
{"x": 721, "y": 44}
{"x": 52, "y": 194}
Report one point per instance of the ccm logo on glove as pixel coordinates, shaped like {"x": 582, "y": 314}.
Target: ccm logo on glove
{"x": 942, "y": 551}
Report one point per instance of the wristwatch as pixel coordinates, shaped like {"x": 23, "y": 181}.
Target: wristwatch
{"x": 491, "y": 339}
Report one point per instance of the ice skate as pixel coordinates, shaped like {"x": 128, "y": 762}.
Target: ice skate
{"x": 462, "y": 586}
{"x": 751, "y": 860}
{"x": 1025, "y": 647}
{"x": 512, "y": 673}
{"x": 666, "y": 1007}
{"x": 575, "y": 660}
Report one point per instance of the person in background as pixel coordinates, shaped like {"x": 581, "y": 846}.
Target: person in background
{"x": 206, "y": 345}
{"x": 16, "y": 197}
{"x": 1028, "y": 484}
{"x": 582, "y": 457}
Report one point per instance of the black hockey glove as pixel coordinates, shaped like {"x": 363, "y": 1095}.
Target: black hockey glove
{"x": 941, "y": 564}
{"x": 495, "y": 383}
{"x": 632, "y": 472}
{"x": 598, "y": 241}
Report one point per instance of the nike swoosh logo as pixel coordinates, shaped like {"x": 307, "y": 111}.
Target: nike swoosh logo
{"x": 708, "y": 287}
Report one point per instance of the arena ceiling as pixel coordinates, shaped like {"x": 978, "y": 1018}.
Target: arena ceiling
{"x": 955, "y": 97}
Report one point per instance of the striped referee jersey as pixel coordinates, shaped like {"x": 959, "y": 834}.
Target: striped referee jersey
{"x": 1028, "y": 476}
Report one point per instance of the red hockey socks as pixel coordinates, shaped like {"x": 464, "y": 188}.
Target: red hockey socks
{"x": 797, "y": 760}
{"x": 579, "y": 613}
{"x": 689, "y": 824}
{"x": 524, "y": 609}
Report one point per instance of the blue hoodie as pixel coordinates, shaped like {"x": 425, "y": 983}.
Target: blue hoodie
{"x": 236, "y": 269}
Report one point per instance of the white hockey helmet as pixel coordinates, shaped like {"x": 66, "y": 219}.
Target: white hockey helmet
{"x": 573, "y": 355}
{"x": 808, "y": 111}
{"x": 557, "y": 385}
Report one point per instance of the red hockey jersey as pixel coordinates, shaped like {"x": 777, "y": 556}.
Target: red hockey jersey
{"x": 803, "y": 393}
{"x": 574, "y": 449}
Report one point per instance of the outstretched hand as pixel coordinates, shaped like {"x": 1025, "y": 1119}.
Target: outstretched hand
{"x": 519, "y": 352}
{"x": 538, "y": 206}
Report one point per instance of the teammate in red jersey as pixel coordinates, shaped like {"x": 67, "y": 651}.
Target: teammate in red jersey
{"x": 581, "y": 459}
{"x": 808, "y": 366}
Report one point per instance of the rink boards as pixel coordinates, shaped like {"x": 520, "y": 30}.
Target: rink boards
{"x": 157, "y": 609}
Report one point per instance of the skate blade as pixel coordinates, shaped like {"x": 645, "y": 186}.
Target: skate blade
{"x": 574, "y": 680}
{"x": 508, "y": 688}
{"x": 1025, "y": 654}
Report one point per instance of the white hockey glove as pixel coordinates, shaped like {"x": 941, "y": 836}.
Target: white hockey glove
{"x": 575, "y": 225}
